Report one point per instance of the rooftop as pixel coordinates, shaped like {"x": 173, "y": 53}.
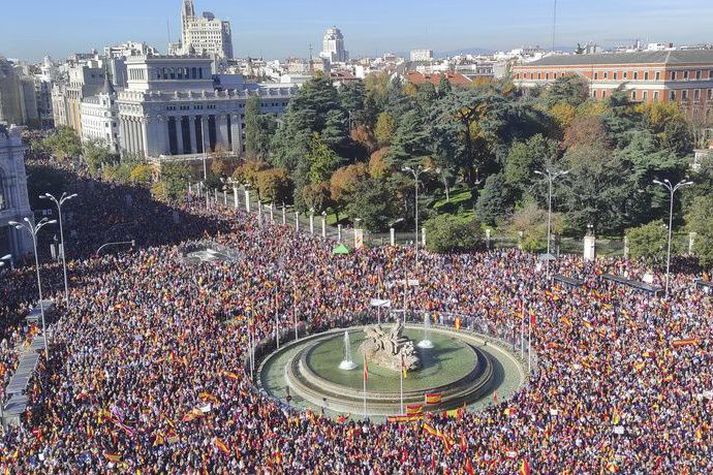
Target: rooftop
{"x": 640, "y": 57}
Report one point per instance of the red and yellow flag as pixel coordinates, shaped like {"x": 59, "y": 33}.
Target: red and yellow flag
{"x": 221, "y": 446}
{"x": 433, "y": 398}
{"x": 525, "y": 468}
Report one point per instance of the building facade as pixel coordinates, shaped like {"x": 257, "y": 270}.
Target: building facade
{"x": 418, "y": 55}
{"x": 681, "y": 76}
{"x": 14, "y": 203}
{"x": 204, "y": 34}
{"x": 100, "y": 118}
{"x": 174, "y": 107}
{"x": 333, "y": 46}
{"x": 84, "y": 80}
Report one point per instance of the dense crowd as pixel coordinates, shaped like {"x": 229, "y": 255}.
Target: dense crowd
{"x": 147, "y": 368}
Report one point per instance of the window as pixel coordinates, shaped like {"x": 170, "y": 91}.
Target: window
{"x": 697, "y": 95}
{"x": 615, "y": 76}
{"x": 596, "y": 75}
{"x": 685, "y": 75}
{"x": 699, "y": 75}
{"x": 539, "y": 75}
{"x": 684, "y": 95}
{"x": 604, "y": 94}
{"x": 624, "y": 74}
{"x": 633, "y": 95}
{"x": 636, "y": 75}
{"x": 644, "y": 96}
{"x": 673, "y": 75}
{"x": 672, "y": 96}
{"x": 594, "y": 94}
{"x": 547, "y": 75}
{"x": 646, "y": 76}
{"x": 710, "y": 94}
{"x": 658, "y": 75}
{"x": 606, "y": 75}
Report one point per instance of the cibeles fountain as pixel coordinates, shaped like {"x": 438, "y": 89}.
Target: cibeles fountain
{"x": 325, "y": 371}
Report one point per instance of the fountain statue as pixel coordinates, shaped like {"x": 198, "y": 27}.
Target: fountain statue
{"x": 425, "y": 342}
{"x": 347, "y": 363}
{"x": 390, "y": 350}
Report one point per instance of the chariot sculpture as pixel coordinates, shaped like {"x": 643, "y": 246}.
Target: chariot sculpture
{"x": 389, "y": 350}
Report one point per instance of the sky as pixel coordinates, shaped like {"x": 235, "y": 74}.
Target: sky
{"x": 30, "y": 29}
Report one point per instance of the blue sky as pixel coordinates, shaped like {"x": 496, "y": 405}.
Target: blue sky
{"x": 29, "y": 29}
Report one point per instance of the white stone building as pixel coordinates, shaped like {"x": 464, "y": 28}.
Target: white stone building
{"x": 174, "y": 107}
{"x": 100, "y": 118}
{"x": 333, "y": 46}
{"x": 421, "y": 55}
{"x": 14, "y": 203}
{"x": 204, "y": 34}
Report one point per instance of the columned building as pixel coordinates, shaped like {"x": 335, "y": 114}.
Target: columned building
{"x": 174, "y": 107}
{"x": 14, "y": 203}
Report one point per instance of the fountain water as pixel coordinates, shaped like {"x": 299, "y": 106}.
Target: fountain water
{"x": 426, "y": 343}
{"x": 347, "y": 364}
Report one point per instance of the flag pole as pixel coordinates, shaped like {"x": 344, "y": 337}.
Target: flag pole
{"x": 522, "y": 330}
{"x": 366, "y": 372}
{"x": 529, "y": 345}
{"x": 402, "y": 384}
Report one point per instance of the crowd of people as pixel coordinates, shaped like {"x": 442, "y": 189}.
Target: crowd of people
{"x": 147, "y": 371}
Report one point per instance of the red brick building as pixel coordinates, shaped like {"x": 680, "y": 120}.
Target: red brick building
{"x": 685, "y": 77}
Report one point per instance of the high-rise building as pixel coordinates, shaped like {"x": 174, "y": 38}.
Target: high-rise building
{"x": 14, "y": 203}
{"x": 333, "y": 46}
{"x": 204, "y": 34}
{"x": 83, "y": 80}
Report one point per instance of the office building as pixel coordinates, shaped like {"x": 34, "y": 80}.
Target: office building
{"x": 14, "y": 203}
{"x": 333, "y": 46}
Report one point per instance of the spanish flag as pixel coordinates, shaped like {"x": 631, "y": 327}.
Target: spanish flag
{"x": 221, "y": 446}
{"x": 433, "y": 398}
{"x": 525, "y": 468}
{"x": 412, "y": 409}
{"x": 431, "y": 430}
{"x": 231, "y": 375}
{"x": 469, "y": 467}
{"x": 457, "y": 324}
{"x": 685, "y": 342}
{"x": 112, "y": 457}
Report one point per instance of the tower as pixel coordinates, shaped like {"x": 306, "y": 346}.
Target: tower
{"x": 188, "y": 12}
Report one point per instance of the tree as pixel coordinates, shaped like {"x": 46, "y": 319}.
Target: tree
{"x": 411, "y": 140}
{"x": 252, "y": 126}
{"x": 444, "y": 86}
{"x": 63, "y": 143}
{"x": 141, "y": 174}
{"x": 96, "y": 154}
{"x": 248, "y": 172}
{"x": 221, "y": 165}
{"x": 372, "y": 202}
{"x": 322, "y": 160}
{"x": 345, "y": 180}
{"x": 648, "y": 242}
{"x": 379, "y": 166}
{"x": 529, "y": 223}
{"x": 174, "y": 180}
{"x": 446, "y": 233}
{"x": 494, "y": 201}
{"x": 525, "y": 157}
{"x": 384, "y": 130}
{"x": 274, "y": 185}
{"x": 564, "y": 114}
{"x": 335, "y": 132}
{"x": 700, "y": 221}
{"x": 586, "y": 130}
{"x": 572, "y": 90}
{"x": 362, "y": 136}
{"x": 317, "y": 196}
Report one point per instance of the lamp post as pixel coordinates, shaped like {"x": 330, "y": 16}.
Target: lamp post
{"x": 672, "y": 190}
{"x": 33, "y": 229}
{"x": 59, "y": 202}
{"x": 311, "y": 220}
{"x": 324, "y": 224}
{"x": 551, "y": 176}
{"x": 416, "y": 172}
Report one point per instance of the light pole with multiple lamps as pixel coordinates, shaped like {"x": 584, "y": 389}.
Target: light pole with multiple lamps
{"x": 551, "y": 176}
{"x": 672, "y": 190}
{"x": 416, "y": 172}
{"x": 59, "y": 202}
{"x": 7, "y": 258}
{"x": 33, "y": 229}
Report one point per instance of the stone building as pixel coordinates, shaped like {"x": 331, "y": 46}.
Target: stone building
{"x": 100, "y": 118}
{"x": 174, "y": 107}
{"x": 204, "y": 34}
{"x": 14, "y": 203}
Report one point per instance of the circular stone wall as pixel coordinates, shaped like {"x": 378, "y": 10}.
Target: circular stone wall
{"x": 464, "y": 368}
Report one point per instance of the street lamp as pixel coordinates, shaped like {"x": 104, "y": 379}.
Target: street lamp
{"x": 672, "y": 189}
{"x": 59, "y": 202}
{"x": 551, "y": 176}
{"x": 33, "y": 229}
{"x": 416, "y": 172}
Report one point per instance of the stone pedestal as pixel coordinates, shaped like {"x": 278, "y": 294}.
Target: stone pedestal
{"x": 589, "y": 248}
